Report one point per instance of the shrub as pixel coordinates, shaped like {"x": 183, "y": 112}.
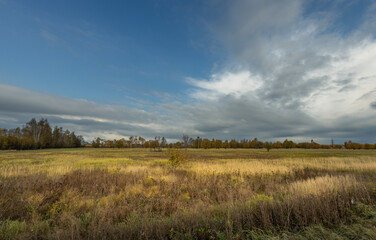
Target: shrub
{"x": 176, "y": 158}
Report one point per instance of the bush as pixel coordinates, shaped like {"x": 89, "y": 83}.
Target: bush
{"x": 176, "y": 157}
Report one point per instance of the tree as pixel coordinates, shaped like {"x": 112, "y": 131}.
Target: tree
{"x": 108, "y": 143}
{"x": 67, "y": 141}
{"x": 233, "y": 143}
{"x": 288, "y": 144}
{"x": 57, "y": 137}
{"x": 78, "y": 140}
{"x": 97, "y": 142}
{"x": 225, "y": 144}
{"x": 185, "y": 140}
{"x": 46, "y": 134}
{"x": 3, "y": 132}
{"x": 163, "y": 142}
{"x": 205, "y": 143}
{"x": 38, "y": 134}
{"x": 3, "y": 139}
{"x": 131, "y": 141}
{"x": 158, "y": 142}
{"x": 218, "y": 143}
{"x": 197, "y": 142}
{"x": 141, "y": 141}
{"x": 277, "y": 144}
{"x": 119, "y": 144}
{"x": 268, "y": 146}
{"x": 190, "y": 142}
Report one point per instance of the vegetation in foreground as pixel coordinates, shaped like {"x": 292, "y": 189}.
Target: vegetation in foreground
{"x": 215, "y": 194}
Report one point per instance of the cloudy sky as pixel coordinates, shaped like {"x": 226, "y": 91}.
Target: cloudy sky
{"x": 272, "y": 69}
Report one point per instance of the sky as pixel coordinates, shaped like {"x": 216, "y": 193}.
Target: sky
{"x": 271, "y": 69}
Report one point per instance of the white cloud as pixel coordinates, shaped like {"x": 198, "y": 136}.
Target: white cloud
{"x": 227, "y": 83}
{"x": 287, "y": 63}
{"x": 350, "y": 86}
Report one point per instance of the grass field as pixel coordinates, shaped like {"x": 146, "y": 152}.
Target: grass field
{"x": 216, "y": 194}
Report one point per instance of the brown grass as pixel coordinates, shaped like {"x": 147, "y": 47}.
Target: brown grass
{"x": 108, "y": 194}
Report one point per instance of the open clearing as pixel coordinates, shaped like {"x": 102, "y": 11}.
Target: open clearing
{"x": 216, "y": 194}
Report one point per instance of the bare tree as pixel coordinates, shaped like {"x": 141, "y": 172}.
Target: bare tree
{"x": 163, "y": 142}
{"x": 157, "y": 140}
{"x": 191, "y": 142}
{"x": 131, "y": 141}
{"x": 185, "y": 140}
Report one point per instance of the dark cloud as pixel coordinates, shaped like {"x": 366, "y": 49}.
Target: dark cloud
{"x": 17, "y": 100}
{"x": 87, "y": 118}
{"x": 241, "y": 117}
{"x": 373, "y": 105}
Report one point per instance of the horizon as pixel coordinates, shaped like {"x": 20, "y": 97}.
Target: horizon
{"x": 296, "y": 70}
{"x": 25, "y": 133}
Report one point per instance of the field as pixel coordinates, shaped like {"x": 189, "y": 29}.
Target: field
{"x": 215, "y": 194}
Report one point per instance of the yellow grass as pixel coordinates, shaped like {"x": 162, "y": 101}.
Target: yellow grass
{"x": 237, "y": 166}
{"x": 332, "y": 163}
{"x": 95, "y": 191}
{"x": 60, "y": 164}
{"x": 322, "y": 185}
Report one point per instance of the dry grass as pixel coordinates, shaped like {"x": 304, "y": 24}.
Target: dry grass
{"x": 133, "y": 193}
{"x": 323, "y": 185}
{"x": 243, "y": 167}
{"x": 350, "y": 164}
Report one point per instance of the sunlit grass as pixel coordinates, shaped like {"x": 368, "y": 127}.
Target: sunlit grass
{"x": 238, "y": 166}
{"x": 53, "y": 162}
{"x": 362, "y": 163}
{"x": 322, "y": 185}
{"x": 83, "y": 192}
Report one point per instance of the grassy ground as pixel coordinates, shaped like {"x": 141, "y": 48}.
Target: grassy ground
{"x": 216, "y": 194}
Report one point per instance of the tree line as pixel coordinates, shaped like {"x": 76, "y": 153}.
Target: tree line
{"x": 186, "y": 142}
{"x": 155, "y": 144}
{"x": 38, "y": 134}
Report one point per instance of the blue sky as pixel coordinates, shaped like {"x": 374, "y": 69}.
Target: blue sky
{"x": 225, "y": 69}
{"x": 104, "y": 50}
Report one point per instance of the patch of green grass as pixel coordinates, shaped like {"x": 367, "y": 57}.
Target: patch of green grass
{"x": 10, "y": 229}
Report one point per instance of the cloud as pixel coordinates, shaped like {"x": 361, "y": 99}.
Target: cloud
{"x": 228, "y": 83}
{"x": 248, "y": 28}
{"x": 88, "y": 118}
{"x": 49, "y": 37}
{"x": 288, "y": 75}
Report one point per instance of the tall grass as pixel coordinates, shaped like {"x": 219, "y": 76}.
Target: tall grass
{"x": 112, "y": 194}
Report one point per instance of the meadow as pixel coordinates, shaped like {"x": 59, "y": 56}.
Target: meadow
{"x": 103, "y": 193}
